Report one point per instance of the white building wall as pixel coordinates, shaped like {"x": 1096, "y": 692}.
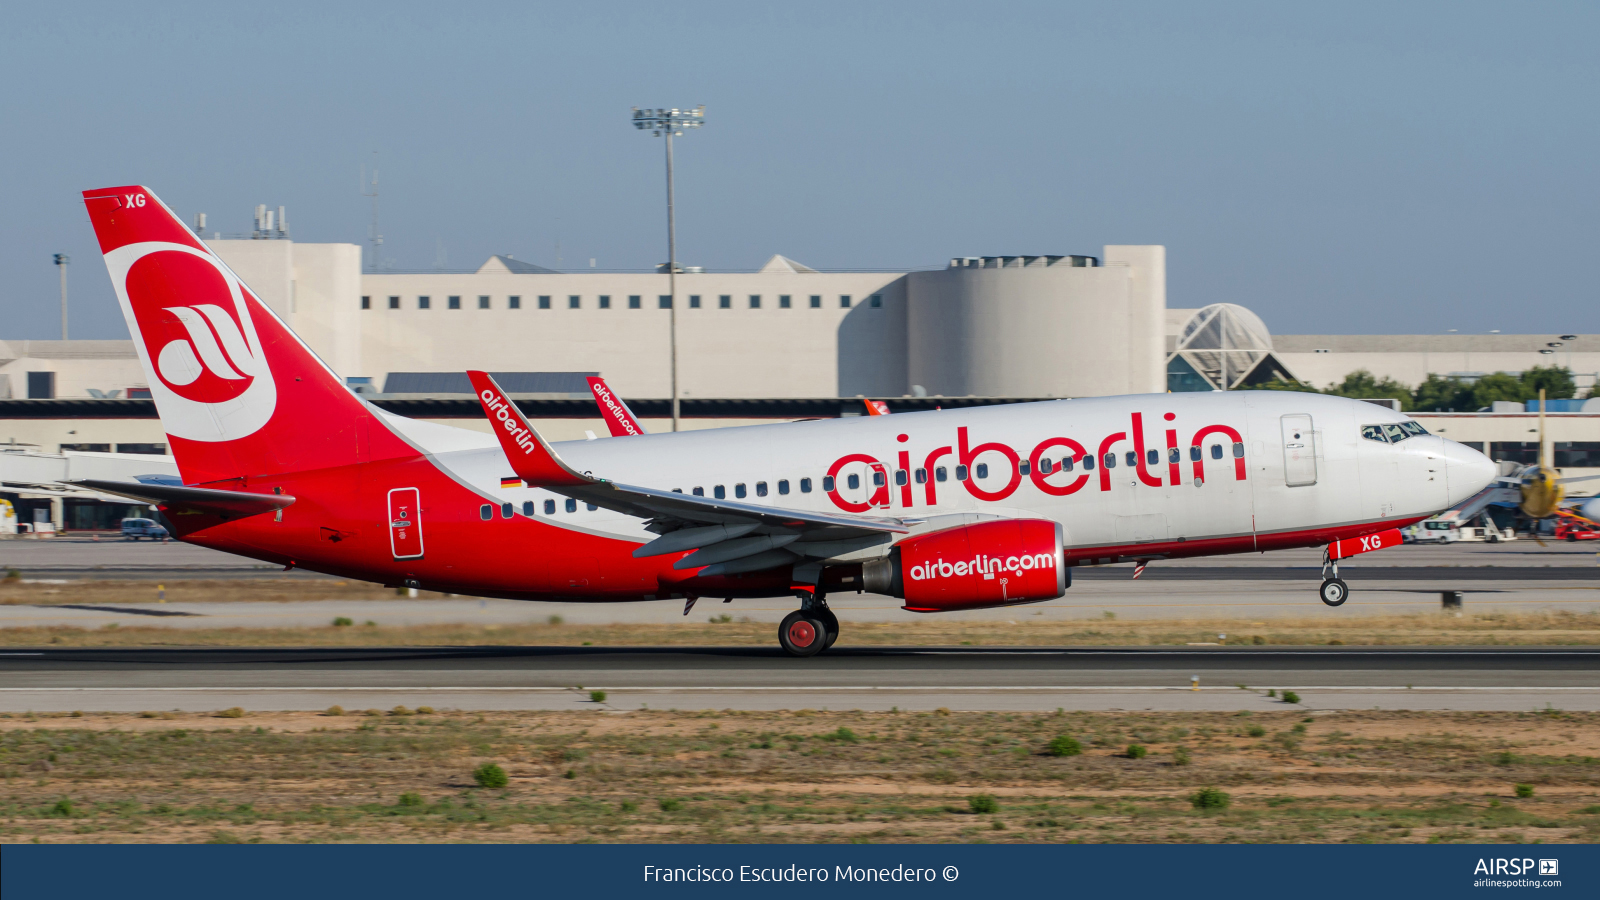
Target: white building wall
{"x": 1146, "y": 266}
{"x": 737, "y": 352}
{"x": 78, "y": 365}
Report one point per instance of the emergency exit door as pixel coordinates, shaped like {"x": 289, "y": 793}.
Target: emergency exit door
{"x": 1299, "y": 451}
{"x": 405, "y": 523}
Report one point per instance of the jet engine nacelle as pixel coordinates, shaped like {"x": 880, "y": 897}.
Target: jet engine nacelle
{"x": 996, "y": 563}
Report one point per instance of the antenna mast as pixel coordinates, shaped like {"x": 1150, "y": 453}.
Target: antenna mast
{"x": 374, "y": 236}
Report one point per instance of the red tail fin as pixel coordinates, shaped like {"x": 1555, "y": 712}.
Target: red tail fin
{"x": 619, "y": 418}
{"x": 238, "y": 393}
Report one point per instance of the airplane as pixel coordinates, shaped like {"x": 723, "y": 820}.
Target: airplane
{"x": 946, "y": 510}
{"x": 619, "y": 419}
{"x": 1537, "y": 491}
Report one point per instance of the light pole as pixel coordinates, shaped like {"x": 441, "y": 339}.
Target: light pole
{"x": 61, "y": 263}
{"x": 666, "y": 123}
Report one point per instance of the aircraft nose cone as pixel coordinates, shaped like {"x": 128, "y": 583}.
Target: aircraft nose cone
{"x": 1466, "y": 471}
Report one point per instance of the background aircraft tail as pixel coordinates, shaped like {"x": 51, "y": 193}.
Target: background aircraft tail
{"x": 238, "y": 393}
{"x": 620, "y": 420}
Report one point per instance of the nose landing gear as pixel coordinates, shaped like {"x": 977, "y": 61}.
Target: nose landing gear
{"x": 1334, "y": 591}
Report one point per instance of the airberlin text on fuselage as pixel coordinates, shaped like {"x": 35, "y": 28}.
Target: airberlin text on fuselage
{"x": 1086, "y": 463}
{"x": 500, "y": 408}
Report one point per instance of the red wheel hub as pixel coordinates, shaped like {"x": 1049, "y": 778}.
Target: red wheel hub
{"x": 802, "y": 633}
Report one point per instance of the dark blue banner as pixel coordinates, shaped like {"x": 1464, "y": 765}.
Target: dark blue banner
{"x": 665, "y": 870}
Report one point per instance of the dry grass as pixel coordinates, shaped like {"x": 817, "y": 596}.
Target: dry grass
{"x": 664, "y": 776}
{"x": 27, "y": 590}
{"x": 1487, "y": 629}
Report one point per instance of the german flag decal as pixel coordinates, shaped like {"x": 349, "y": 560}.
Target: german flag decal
{"x": 511, "y": 481}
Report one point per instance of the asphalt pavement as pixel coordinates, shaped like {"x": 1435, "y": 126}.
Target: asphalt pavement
{"x": 1220, "y": 678}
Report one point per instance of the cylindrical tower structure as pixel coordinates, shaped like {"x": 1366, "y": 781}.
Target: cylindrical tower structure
{"x": 1034, "y": 326}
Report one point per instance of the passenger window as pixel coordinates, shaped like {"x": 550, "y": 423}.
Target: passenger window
{"x": 941, "y": 474}
{"x": 677, "y": 490}
{"x": 527, "y": 507}
{"x": 854, "y": 481}
{"x": 1023, "y": 467}
{"x": 1110, "y": 461}
{"x": 761, "y": 489}
{"x": 1173, "y": 456}
{"x": 1088, "y": 463}
{"x": 486, "y": 512}
{"x": 1238, "y": 450}
{"x": 549, "y": 507}
{"x": 1194, "y": 453}
{"x": 719, "y": 492}
{"x": 983, "y": 470}
{"x": 1066, "y": 464}
{"x": 1153, "y": 457}
{"x": 961, "y": 473}
{"x": 698, "y": 492}
{"x": 900, "y": 477}
{"x": 922, "y": 476}
{"x": 507, "y": 510}
{"x": 1133, "y": 459}
{"x": 1394, "y": 434}
{"x": 591, "y": 507}
{"x": 827, "y": 483}
{"x": 783, "y": 486}
{"x": 572, "y": 505}
{"x": 805, "y": 486}
{"x": 1045, "y": 466}
{"x": 877, "y": 478}
{"x": 1216, "y": 451}
{"x": 739, "y": 491}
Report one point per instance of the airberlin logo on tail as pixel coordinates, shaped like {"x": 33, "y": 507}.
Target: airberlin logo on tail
{"x": 982, "y": 565}
{"x": 500, "y": 408}
{"x": 610, "y": 403}
{"x": 192, "y": 322}
{"x": 215, "y": 345}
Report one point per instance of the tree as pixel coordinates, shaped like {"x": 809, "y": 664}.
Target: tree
{"x": 1363, "y": 385}
{"x": 1499, "y": 386}
{"x": 1439, "y": 394}
{"x": 1278, "y": 384}
{"x": 1556, "y": 381}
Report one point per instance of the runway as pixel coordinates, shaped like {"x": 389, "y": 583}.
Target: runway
{"x": 1229, "y": 678}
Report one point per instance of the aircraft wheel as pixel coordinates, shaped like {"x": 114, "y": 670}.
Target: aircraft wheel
{"x": 802, "y": 635}
{"x": 1572, "y": 539}
{"x": 830, "y": 624}
{"x": 1334, "y": 592}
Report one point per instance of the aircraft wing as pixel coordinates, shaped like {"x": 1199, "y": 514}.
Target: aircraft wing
{"x": 620, "y": 420}
{"x": 728, "y": 537}
{"x": 1576, "y": 478}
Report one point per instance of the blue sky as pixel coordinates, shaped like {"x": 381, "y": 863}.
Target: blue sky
{"x": 1339, "y": 168}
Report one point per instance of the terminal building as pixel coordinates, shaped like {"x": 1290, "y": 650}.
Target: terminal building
{"x": 786, "y": 341}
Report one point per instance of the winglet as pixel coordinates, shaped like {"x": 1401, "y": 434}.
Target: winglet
{"x": 620, "y": 420}
{"x": 531, "y": 457}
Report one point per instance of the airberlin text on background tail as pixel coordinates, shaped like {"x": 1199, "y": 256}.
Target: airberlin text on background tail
{"x": 950, "y": 509}
{"x": 620, "y": 420}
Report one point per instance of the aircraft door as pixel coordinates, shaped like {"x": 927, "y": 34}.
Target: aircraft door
{"x": 405, "y": 523}
{"x": 1299, "y": 451}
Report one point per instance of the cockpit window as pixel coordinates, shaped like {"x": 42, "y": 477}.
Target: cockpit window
{"x": 1393, "y": 433}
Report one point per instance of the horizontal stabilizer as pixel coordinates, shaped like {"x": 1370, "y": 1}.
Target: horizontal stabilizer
{"x": 178, "y": 498}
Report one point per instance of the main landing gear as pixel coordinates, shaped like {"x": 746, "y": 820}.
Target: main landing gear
{"x": 1334, "y": 591}
{"x": 810, "y": 629}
